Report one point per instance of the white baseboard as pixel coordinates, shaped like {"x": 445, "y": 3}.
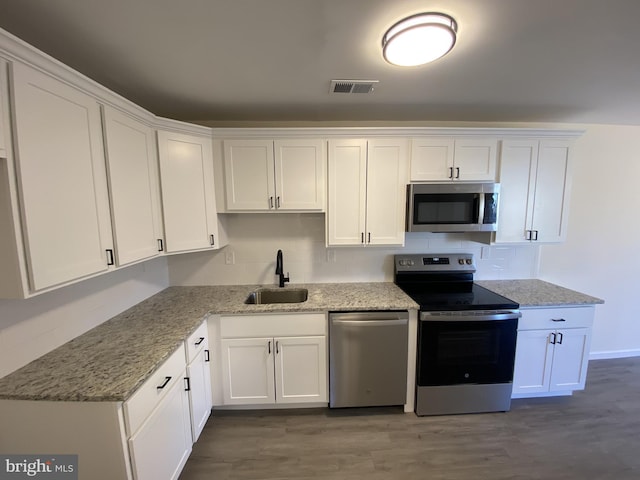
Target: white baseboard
{"x": 614, "y": 354}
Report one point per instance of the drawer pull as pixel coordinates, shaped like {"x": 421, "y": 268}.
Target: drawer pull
{"x": 552, "y": 339}
{"x": 166, "y": 381}
{"x": 200, "y": 341}
{"x": 561, "y": 337}
{"x": 558, "y": 320}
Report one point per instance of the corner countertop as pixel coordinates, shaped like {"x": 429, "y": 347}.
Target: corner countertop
{"x": 109, "y": 362}
{"x": 538, "y": 293}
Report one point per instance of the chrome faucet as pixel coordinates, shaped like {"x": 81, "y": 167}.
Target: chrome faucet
{"x": 279, "y": 270}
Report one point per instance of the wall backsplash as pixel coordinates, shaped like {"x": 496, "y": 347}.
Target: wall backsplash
{"x": 254, "y": 240}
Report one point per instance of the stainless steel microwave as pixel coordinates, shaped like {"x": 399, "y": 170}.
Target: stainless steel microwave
{"x": 452, "y": 207}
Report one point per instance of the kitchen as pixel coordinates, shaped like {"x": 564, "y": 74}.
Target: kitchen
{"x": 597, "y": 224}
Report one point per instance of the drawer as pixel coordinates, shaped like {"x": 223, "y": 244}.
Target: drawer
{"x": 555, "y": 318}
{"x": 273, "y": 325}
{"x": 197, "y": 341}
{"x": 145, "y": 399}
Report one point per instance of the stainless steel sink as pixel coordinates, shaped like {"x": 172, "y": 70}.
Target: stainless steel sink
{"x": 284, "y": 295}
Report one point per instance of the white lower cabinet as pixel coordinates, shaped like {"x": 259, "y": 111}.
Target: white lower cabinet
{"x": 199, "y": 375}
{"x": 160, "y": 448}
{"x": 274, "y": 359}
{"x": 552, "y": 351}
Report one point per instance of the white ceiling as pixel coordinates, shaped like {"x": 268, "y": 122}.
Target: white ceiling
{"x": 574, "y": 61}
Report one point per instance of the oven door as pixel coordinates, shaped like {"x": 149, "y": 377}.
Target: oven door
{"x": 456, "y": 348}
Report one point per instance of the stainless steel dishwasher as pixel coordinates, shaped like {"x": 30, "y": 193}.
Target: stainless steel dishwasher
{"x": 368, "y": 358}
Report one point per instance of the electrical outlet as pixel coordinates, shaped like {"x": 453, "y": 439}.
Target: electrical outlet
{"x": 230, "y": 257}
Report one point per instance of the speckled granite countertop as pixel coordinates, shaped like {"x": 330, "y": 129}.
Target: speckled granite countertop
{"x": 109, "y": 362}
{"x": 538, "y": 293}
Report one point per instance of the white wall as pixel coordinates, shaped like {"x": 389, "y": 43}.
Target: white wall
{"x": 601, "y": 256}
{"x": 32, "y": 327}
{"x": 254, "y": 240}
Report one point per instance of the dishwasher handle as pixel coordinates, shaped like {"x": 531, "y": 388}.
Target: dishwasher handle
{"x": 371, "y": 323}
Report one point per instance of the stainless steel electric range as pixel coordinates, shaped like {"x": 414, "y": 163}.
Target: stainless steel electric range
{"x": 466, "y": 336}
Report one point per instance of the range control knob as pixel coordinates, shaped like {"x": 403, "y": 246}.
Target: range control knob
{"x": 461, "y": 261}
{"x": 468, "y": 261}
{"x": 410, "y": 263}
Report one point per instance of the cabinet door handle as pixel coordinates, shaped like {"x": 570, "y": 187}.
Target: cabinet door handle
{"x": 160, "y": 245}
{"x": 166, "y": 380}
{"x": 552, "y": 339}
{"x": 527, "y": 234}
{"x": 110, "y": 256}
{"x": 270, "y": 202}
{"x": 561, "y": 337}
{"x": 269, "y": 347}
{"x": 361, "y": 237}
{"x": 457, "y": 172}
{"x": 200, "y": 340}
{"x": 558, "y": 320}
{"x": 207, "y": 357}
{"x": 212, "y": 239}
{"x": 277, "y": 347}
{"x": 535, "y": 232}
{"x": 369, "y": 240}
{"x": 278, "y": 201}
{"x": 451, "y": 173}
{"x": 187, "y": 382}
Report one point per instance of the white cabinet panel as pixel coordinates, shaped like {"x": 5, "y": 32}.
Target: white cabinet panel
{"x": 301, "y": 369}
{"x": 535, "y": 182}
{"x": 445, "y": 159}
{"x": 199, "y": 391}
{"x": 248, "y": 370}
{"x": 188, "y": 197}
{"x": 347, "y": 192}
{"x": 133, "y": 187}
{"x": 552, "y": 360}
{"x": 62, "y": 179}
{"x": 367, "y": 191}
{"x": 280, "y": 175}
{"x": 299, "y": 174}
{"x": 249, "y": 174}
{"x": 162, "y": 445}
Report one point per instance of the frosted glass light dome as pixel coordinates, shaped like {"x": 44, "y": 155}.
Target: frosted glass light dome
{"x": 419, "y": 39}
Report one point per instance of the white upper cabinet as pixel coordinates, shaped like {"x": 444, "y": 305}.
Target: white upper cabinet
{"x": 534, "y": 179}
{"x": 367, "y": 191}
{"x": 133, "y": 187}
{"x": 280, "y": 175}
{"x": 188, "y": 197}
{"x": 443, "y": 159}
{"x": 61, "y": 178}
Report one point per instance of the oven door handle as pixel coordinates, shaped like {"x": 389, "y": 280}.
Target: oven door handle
{"x": 371, "y": 323}
{"x": 479, "y": 316}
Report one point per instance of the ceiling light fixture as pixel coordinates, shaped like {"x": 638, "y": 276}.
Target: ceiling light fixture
{"x": 419, "y": 39}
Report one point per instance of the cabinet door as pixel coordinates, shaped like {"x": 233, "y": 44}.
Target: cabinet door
{"x": 160, "y": 448}
{"x": 301, "y": 369}
{"x": 249, "y": 174}
{"x": 299, "y": 174}
{"x": 200, "y": 401}
{"x": 347, "y": 192}
{"x": 534, "y": 356}
{"x": 517, "y": 190}
{"x": 552, "y": 191}
{"x": 188, "y": 199}
{"x": 432, "y": 159}
{"x": 386, "y": 191}
{"x": 247, "y": 371}
{"x": 133, "y": 186}
{"x": 475, "y": 159}
{"x": 570, "y": 359}
{"x": 62, "y": 179}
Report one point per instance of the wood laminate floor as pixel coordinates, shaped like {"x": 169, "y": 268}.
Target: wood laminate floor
{"x": 594, "y": 434}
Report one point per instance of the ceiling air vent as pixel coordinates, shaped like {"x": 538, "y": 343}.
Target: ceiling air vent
{"x": 352, "y": 86}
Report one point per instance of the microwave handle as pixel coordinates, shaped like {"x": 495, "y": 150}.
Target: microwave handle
{"x": 480, "y": 216}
